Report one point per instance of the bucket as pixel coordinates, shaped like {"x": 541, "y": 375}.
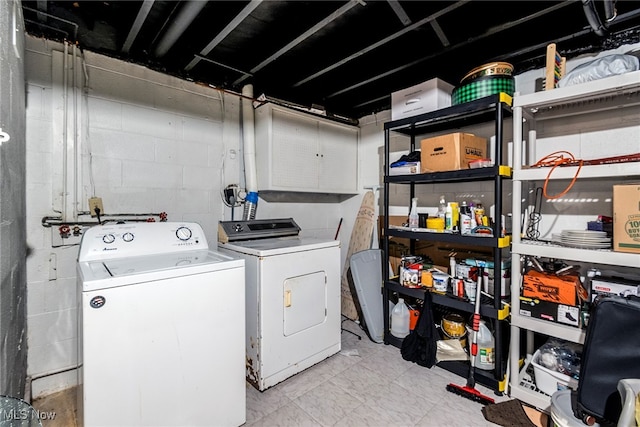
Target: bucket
{"x": 440, "y": 282}
{"x": 453, "y": 327}
{"x": 561, "y": 411}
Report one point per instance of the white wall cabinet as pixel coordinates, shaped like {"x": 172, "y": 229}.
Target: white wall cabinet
{"x": 299, "y": 152}
{"x": 582, "y": 106}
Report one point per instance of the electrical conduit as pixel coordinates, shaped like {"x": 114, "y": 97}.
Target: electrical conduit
{"x": 249, "y": 143}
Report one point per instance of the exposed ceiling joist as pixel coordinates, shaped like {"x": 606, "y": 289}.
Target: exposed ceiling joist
{"x": 137, "y": 24}
{"x": 349, "y": 62}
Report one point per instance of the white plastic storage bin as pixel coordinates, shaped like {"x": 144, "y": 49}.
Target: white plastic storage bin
{"x": 549, "y": 381}
{"x": 422, "y": 98}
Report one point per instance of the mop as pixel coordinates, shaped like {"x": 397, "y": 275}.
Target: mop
{"x": 469, "y": 391}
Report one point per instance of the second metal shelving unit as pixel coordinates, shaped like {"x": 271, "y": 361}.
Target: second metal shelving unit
{"x": 494, "y": 108}
{"x": 617, "y": 93}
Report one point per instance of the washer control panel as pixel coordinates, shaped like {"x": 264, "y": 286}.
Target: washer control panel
{"x": 140, "y": 238}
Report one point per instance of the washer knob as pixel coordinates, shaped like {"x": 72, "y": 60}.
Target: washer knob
{"x": 127, "y": 237}
{"x": 183, "y": 233}
{"x": 108, "y": 238}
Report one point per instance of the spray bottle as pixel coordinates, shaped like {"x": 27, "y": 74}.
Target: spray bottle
{"x": 413, "y": 214}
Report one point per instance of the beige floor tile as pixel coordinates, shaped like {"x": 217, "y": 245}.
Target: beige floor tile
{"x": 365, "y": 385}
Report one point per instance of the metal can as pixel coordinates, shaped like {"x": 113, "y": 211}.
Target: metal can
{"x": 470, "y": 288}
{"x": 457, "y": 287}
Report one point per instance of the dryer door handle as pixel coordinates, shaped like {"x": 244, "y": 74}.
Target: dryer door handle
{"x": 287, "y": 298}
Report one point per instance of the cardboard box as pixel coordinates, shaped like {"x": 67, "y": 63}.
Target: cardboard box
{"x": 451, "y": 152}
{"x": 566, "y": 290}
{"x": 407, "y": 169}
{"x": 550, "y": 311}
{"x": 626, "y": 218}
{"x": 422, "y": 98}
{"x": 609, "y": 286}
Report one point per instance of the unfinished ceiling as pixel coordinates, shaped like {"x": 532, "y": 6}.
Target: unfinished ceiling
{"x": 346, "y": 57}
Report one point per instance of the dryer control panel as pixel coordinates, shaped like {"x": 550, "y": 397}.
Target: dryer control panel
{"x": 231, "y": 231}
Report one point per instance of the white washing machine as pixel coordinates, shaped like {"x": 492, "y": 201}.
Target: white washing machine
{"x": 292, "y": 297}
{"x": 161, "y": 328}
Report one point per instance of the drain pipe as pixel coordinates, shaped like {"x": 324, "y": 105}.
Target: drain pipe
{"x": 249, "y": 143}
{"x": 186, "y": 16}
{"x": 592, "y": 17}
{"x": 65, "y": 127}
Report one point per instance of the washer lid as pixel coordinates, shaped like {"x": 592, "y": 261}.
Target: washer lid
{"x": 278, "y": 246}
{"x": 125, "y": 271}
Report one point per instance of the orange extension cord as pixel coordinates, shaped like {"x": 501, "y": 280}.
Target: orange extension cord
{"x": 554, "y": 160}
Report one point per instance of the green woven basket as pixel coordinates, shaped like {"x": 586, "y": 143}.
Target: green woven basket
{"x": 481, "y": 87}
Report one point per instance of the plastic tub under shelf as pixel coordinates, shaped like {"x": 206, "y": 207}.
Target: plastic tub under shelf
{"x": 549, "y": 381}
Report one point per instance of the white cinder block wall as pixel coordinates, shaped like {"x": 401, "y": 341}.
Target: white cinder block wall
{"x": 146, "y": 143}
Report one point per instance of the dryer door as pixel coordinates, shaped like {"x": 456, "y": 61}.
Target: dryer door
{"x": 305, "y": 302}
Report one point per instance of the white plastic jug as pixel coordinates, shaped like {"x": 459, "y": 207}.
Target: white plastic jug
{"x": 400, "y": 319}
{"x": 485, "y": 359}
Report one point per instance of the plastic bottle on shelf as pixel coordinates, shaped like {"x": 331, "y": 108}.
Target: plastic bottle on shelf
{"x": 448, "y": 217}
{"x": 465, "y": 218}
{"x": 485, "y": 359}
{"x": 442, "y": 207}
{"x": 413, "y": 214}
{"x": 400, "y": 319}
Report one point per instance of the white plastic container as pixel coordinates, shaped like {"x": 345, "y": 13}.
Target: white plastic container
{"x": 485, "y": 359}
{"x": 550, "y": 381}
{"x": 400, "y": 319}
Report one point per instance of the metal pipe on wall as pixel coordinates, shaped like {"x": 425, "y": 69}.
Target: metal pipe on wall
{"x": 75, "y": 133}
{"x": 249, "y": 144}
{"x": 65, "y": 67}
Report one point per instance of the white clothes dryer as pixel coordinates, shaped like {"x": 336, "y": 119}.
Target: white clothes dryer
{"x": 292, "y": 297}
{"x": 161, "y": 328}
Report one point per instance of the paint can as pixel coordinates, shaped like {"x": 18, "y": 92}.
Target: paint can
{"x": 457, "y": 287}
{"x": 453, "y": 327}
{"x": 470, "y": 289}
{"x": 440, "y": 282}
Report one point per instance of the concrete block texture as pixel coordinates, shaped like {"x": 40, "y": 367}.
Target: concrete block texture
{"x": 145, "y": 143}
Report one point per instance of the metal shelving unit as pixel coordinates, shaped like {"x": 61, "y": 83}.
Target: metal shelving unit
{"x": 492, "y": 109}
{"x": 616, "y": 92}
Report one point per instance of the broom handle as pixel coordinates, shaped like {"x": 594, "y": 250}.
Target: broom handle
{"x": 476, "y": 314}
{"x": 471, "y": 381}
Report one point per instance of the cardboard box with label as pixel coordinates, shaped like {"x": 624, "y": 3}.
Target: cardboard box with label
{"x": 567, "y": 290}
{"x": 626, "y": 218}
{"x": 422, "y": 98}
{"x": 610, "y": 286}
{"x": 451, "y": 152}
{"x": 550, "y": 311}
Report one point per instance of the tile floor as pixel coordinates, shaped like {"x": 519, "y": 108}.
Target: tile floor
{"x": 366, "y": 384}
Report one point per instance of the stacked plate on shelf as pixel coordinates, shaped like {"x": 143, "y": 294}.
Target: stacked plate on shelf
{"x": 584, "y": 239}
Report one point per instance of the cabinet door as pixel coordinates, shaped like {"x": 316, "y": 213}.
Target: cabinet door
{"x": 338, "y": 151}
{"x": 294, "y": 151}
